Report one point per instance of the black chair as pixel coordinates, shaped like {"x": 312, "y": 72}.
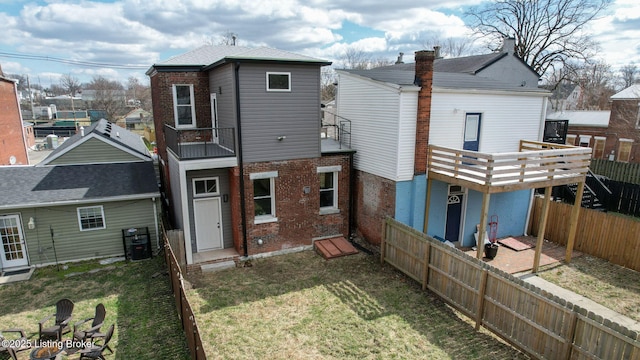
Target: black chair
{"x": 96, "y": 323}
{"x": 95, "y": 351}
{"x": 62, "y": 317}
{"x": 19, "y": 343}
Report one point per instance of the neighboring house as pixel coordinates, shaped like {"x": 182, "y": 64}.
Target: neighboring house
{"x": 76, "y": 203}
{"x": 243, "y": 163}
{"x": 13, "y": 145}
{"x": 565, "y": 96}
{"x": 409, "y": 120}
{"x": 613, "y": 135}
{"x": 587, "y": 129}
{"x": 140, "y": 122}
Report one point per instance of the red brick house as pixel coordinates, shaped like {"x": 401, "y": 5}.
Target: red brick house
{"x": 244, "y": 169}
{"x": 13, "y": 148}
{"x": 613, "y": 135}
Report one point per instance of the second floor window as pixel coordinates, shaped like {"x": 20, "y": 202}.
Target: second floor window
{"x": 278, "y": 81}
{"x": 183, "y": 106}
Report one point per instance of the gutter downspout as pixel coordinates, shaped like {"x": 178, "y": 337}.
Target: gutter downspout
{"x": 243, "y": 206}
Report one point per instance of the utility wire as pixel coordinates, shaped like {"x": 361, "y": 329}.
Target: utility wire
{"x": 70, "y": 62}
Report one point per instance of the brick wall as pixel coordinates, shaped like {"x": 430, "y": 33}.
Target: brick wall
{"x": 424, "y": 72}
{"x": 11, "y": 129}
{"x": 162, "y": 101}
{"x": 299, "y": 219}
{"x": 374, "y": 201}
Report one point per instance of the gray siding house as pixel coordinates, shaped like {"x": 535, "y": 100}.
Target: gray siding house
{"x": 75, "y": 204}
{"x": 243, "y": 166}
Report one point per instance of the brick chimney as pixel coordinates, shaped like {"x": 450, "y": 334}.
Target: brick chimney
{"x": 424, "y": 79}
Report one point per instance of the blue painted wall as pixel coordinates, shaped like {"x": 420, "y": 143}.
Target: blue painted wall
{"x": 510, "y": 207}
{"x": 410, "y": 198}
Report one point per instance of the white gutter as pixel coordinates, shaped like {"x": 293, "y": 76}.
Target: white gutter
{"x": 74, "y": 202}
{"x": 155, "y": 221}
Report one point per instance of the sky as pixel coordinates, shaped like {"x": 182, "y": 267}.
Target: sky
{"x": 118, "y": 39}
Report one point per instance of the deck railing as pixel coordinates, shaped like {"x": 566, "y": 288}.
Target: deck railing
{"x": 200, "y": 142}
{"x": 535, "y": 162}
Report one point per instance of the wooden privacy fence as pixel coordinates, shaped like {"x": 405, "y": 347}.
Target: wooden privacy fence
{"x": 188, "y": 319}
{"x": 604, "y": 235}
{"x": 538, "y": 323}
{"x": 618, "y": 171}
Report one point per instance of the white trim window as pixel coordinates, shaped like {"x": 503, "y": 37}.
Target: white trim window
{"x": 328, "y": 177}
{"x": 206, "y": 187}
{"x": 184, "y": 108}
{"x": 264, "y": 196}
{"x": 278, "y": 81}
{"x": 91, "y": 218}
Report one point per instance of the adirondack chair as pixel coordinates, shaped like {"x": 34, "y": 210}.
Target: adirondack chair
{"x": 17, "y": 343}
{"x": 96, "y": 323}
{"x": 62, "y": 317}
{"x": 95, "y": 351}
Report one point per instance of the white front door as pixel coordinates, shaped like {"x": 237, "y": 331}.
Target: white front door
{"x": 14, "y": 249}
{"x": 208, "y": 221}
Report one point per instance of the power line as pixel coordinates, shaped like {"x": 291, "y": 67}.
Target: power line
{"x": 71, "y": 62}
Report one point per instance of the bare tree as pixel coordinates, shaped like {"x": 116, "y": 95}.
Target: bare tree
{"x": 452, "y": 47}
{"x": 139, "y": 93}
{"x": 596, "y": 80}
{"x": 629, "y": 75}
{"x": 109, "y": 96}
{"x": 327, "y": 84}
{"x": 228, "y": 38}
{"x": 358, "y": 59}
{"x": 70, "y": 84}
{"x": 548, "y": 33}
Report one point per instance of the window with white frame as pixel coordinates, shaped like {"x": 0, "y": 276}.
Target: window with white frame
{"x": 91, "y": 218}
{"x": 184, "y": 109}
{"x": 599, "y": 143}
{"x": 205, "y": 187}
{"x": 624, "y": 150}
{"x": 278, "y": 81}
{"x": 264, "y": 196}
{"x": 328, "y": 176}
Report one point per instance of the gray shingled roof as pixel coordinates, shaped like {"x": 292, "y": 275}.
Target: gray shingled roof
{"x": 28, "y": 186}
{"x": 405, "y": 76}
{"x": 108, "y": 131}
{"x": 209, "y": 54}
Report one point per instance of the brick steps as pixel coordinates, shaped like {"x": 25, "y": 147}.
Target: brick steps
{"x": 334, "y": 247}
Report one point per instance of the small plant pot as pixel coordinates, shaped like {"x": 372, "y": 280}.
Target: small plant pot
{"x": 490, "y": 250}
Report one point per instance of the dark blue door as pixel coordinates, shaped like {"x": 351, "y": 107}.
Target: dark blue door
{"x": 454, "y": 214}
{"x": 472, "y": 132}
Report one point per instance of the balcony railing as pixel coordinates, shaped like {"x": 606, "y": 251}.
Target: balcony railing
{"x": 200, "y": 143}
{"x": 537, "y": 164}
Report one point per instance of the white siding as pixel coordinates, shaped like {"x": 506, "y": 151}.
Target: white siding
{"x": 373, "y": 111}
{"x": 506, "y": 119}
{"x": 407, "y": 135}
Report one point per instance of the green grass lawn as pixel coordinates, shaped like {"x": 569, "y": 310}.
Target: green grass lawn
{"x": 610, "y": 285}
{"x": 300, "y": 306}
{"x": 136, "y": 295}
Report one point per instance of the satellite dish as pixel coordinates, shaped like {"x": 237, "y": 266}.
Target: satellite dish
{"x": 12, "y": 160}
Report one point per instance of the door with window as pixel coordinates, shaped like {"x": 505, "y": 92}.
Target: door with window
{"x": 454, "y": 213}
{"x": 214, "y": 118}
{"x": 472, "y": 124}
{"x": 14, "y": 248}
{"x": 207, "y": 214}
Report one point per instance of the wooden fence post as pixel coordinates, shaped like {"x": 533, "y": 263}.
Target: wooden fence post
{"x": 571, "y": 334}
{"x": 481, "y": 292}
{"x": 382, "y": 242}
{"x": 425, "y": 266}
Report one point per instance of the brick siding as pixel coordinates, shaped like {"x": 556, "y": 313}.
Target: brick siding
{"x": 299, "y": 219}
{"x": 374, "y": 201}
{"x": 11, "y": 129}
